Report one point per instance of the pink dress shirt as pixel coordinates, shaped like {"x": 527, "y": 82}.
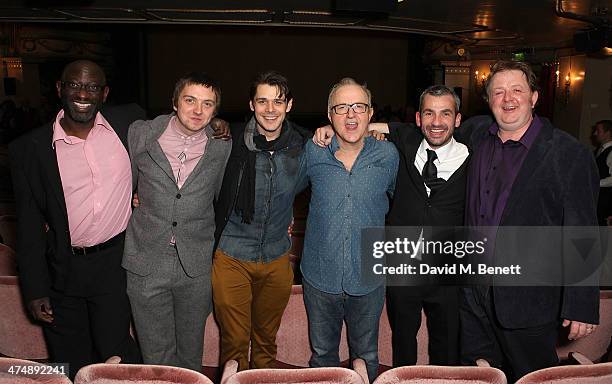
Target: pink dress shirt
{"x": 183, "y": 152}
{"x": 97, "y": 182}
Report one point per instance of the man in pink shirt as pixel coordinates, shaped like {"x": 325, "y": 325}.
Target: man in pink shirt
{"x": 73, "y": 186}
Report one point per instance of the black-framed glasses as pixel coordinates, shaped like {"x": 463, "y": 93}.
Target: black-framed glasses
{"x": 76, "y": 87}
{"x": 343, "y": 109}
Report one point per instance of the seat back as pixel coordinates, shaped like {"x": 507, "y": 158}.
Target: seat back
{"x": 297, "y": 375}
{"x": 8, "y": 230}
{"x": 138, "y": 373}
{"x": 571, "y": 374}
{"x": 19, "y": 336}
{"x": 292, "y": 337}
{"x": 18, "y": 371}
{"x": 594, "y": 346}
{"x": 8, "y": 262}
{"x": 441, "y": 375}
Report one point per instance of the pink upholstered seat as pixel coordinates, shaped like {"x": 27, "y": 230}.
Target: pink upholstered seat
{"x": 594, "y": 346}
{"x": 17, "y": 377}
{"x": 292, "y": 338}
{"x": 8, "y": 263}
{"x": 433, "y": 374}
{"x": 8, "y": 230}
{"x": 211, "y": 343}
{"x": 19, "y": 336}
{"x": 571, "y": 374}
{"x": 298, "y": 375}
{"x": 137, "y": 373}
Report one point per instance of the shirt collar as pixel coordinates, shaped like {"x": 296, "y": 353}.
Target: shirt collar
{"x": 334, "y": 146}
{"x": 60, "y": 134}
{"x": 443, "y": 152}
{"x": 528, "y": 137}
{"x": 174, "y": 131}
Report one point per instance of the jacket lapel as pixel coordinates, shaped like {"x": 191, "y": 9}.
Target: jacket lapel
{"x": 154, "y": 149}
{"x": 459, "y": 172}
{"x": 50, "y": 169}
{"x": 413, "y": 172}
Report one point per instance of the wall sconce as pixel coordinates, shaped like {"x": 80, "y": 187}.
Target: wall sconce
{"x": 479, "y": 81}
{"x": 566, "y": 89}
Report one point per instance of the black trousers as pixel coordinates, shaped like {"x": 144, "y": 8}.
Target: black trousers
{"x": 91, "y": 318}
{"x": 515, "y": 351}
{"x": 440, "y": 304}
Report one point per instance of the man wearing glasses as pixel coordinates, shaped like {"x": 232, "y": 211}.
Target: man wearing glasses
{"x": 73, "y": 187}
{"x": 177, "y": 168}
{"x": 350, "y": 180}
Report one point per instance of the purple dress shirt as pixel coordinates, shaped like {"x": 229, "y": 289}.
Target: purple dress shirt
{"x": 491, "y": 175}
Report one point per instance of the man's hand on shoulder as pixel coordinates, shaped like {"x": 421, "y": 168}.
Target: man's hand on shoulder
{"x": 41, "y": 310}
{"x": 221, "y": 128}
{"x": 578, "y": 329}
{"x": 323, "y": 136}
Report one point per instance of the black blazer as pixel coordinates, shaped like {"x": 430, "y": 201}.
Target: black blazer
{"x": 557, "y": 185}
{"x": 43, "y": 256}
{"x": 411, "y": 206}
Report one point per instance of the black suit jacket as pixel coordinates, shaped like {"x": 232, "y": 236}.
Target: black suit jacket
{"x": 557, "y": 185}
{"x": 411, "y": 206}
{"x": 43, "y": 256}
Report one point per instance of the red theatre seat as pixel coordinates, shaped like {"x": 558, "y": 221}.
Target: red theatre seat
{"x": 571, "y": 374}
{"x": 138, "y": 373}
{"x": 433, "y": 374}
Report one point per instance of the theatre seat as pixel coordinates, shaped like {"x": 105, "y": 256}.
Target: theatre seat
{"x": 297, "y": 375}
{"x": 595, "y": 346}
{"x": 28, "y": 372}
{"x": 137, "y": 373}
{"x": 571, "y": 374}
{"x": 8, "y": 230}
{"x": 8, "y": 263}
{"x": 433, "y": 374}
{"x": 19, "y": 336}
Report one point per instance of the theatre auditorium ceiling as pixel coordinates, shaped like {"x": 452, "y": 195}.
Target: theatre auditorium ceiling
{"x": 474, "y": 25}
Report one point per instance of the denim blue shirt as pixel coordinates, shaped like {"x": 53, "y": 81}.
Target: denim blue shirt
{"x": 265, "y": 239}
{"x": 342, "y": 204}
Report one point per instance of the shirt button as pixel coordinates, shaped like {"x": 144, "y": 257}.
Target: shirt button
{"x": 487, "y": 191}
{"x": 178, "y": 195}
{"x": 174, "y": 223}
{"x": 482, "y": 216}
{"x": 349, "y": 195}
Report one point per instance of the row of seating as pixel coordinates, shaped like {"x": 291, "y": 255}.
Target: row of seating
{"x": 23, "y": 371}
{"x": 21, "y": 338}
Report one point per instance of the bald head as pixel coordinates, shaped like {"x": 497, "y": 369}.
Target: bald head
{"x": 84, "y": 66}
{"x": 82, "y": 90}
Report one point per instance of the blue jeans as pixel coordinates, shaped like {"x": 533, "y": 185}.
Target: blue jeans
{"x": 325, "y": 314}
